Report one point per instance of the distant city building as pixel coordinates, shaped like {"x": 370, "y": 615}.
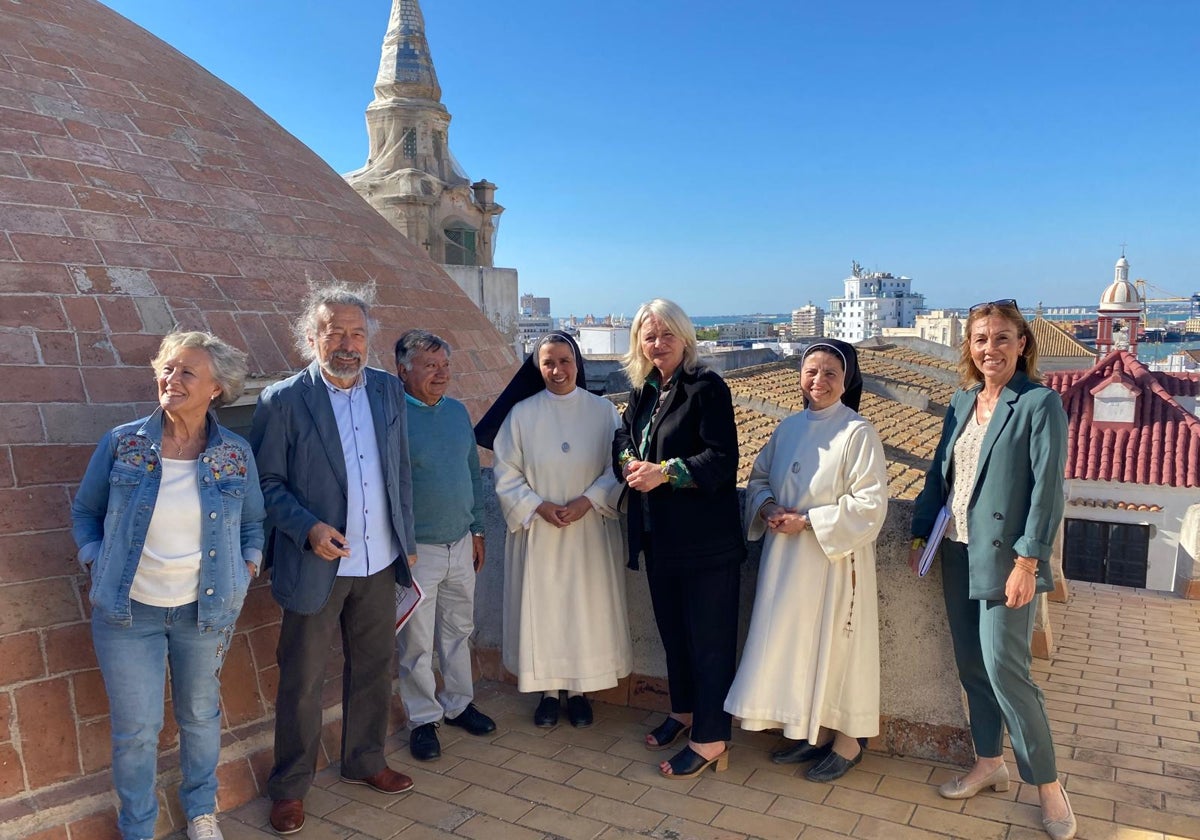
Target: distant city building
{"x": 1181, "y": 361}
{"x": 530, "y": 329}
{"x": 535, "y": 306}
{"x": 1120, "y": 313}
{"x": 411, "y": 178}
{"x": 871, "y": 301}
{"x": 941, "y": 326}
{"x": 808, "y": 322}
{"x": 600, "y": 340}
{"x": 1059, "y": 311}
{"x": 743, "y": 331}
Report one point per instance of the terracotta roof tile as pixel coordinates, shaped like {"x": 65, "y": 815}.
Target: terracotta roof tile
{"x": 1054, "y": 340}
{"x": 904, "y": 366}
{"x": 1161, "y": 446}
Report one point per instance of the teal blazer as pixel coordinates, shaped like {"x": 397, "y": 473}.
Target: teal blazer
{"x": 1017, "y": 491}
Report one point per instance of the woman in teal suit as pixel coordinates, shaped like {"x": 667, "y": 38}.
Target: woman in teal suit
{"x": 999, "y": 471}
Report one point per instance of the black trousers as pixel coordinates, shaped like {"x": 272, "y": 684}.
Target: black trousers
{"x": 365, "y": 609}
{"x": 697, "y": 616}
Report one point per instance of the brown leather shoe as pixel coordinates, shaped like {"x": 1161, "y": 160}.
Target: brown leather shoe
{"x": 386, "y": 780}
{"x": 287, "y": 815}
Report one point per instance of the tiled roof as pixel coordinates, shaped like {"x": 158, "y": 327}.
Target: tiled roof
{"x": 907, "y": 367}
{"x": 1115, "y": 505}
{"x": 1054, "y": 340}
{"x": 1161, "y": 446}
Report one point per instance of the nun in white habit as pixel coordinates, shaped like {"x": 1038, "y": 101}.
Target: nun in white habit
{"x": 565, "y": 623}
{"x": 818, "y": 490}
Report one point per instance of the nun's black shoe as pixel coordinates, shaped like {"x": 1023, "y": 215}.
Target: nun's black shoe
{"x": 579, "y": 711}
{"x": 801, "y": 752}
{"x": 833, "y": 766}
{"x": 546, "y": 714}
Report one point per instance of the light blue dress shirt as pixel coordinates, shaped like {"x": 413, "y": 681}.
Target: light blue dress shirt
{"x": 373, "y": 546}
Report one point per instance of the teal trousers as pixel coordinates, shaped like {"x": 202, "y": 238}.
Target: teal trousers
{"x": 991, "y": 648}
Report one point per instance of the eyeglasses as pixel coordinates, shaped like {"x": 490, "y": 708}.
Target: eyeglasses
{"x": 1002, "y": 302}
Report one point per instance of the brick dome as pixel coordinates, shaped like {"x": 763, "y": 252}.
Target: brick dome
{"x": 138, "y": 193}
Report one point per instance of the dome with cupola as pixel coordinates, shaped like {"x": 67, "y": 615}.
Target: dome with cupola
{"x": 1121, "y": 295}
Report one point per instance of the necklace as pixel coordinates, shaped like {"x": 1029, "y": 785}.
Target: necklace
{"x": 985, "y": 412}
{"x": 181, "y": 446}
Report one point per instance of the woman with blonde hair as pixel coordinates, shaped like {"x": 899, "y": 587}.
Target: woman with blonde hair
{"x": 677, "y": 451}
{"x": 169, "y": 524}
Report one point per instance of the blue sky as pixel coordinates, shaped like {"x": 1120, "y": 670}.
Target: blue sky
{"x": 737, "y": 156}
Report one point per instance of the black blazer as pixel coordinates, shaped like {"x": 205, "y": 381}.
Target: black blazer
{"x": 698, "y": 526}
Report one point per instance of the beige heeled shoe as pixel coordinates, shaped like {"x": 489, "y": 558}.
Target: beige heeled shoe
{"x": 956, "y": 789}
{"x": 1065, "y": 828}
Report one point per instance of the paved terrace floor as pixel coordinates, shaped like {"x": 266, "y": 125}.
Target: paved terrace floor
{"x": 1124, "y": 697}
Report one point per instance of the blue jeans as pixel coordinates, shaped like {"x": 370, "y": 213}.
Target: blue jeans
{"x": 133, "y": 660}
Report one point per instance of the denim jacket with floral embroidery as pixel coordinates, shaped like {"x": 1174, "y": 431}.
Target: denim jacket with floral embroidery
{"x": 111, "y": 514}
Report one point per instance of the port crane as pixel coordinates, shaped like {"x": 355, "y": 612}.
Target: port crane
{"x": 1193, "y": 322}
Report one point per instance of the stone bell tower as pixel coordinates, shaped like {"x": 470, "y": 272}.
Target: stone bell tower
{"x": 411, "y": 178}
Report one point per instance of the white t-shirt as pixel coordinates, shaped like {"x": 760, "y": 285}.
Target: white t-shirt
{"x": 168, "y": 574}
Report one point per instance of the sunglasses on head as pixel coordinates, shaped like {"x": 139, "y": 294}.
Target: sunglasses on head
{"x": 1002, "y": 302}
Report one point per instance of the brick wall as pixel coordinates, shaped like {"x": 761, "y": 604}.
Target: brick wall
{"x": 139, "y": 193}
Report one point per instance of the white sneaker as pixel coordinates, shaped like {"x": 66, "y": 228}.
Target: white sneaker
{"x": 204, "y": 827}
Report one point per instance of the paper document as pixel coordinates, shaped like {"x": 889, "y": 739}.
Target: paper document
{"x": 935, "y": 540}
{"x": 407, "y": 600}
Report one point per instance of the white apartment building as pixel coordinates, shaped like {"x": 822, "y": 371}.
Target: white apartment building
{"x": 871, "y": 301}
{"x": 808, "y": 322}
{"x": 530, "y": 329}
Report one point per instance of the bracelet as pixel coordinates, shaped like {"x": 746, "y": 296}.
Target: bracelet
{"x": 666, "y": 469}
{"x": 1026, "y": 565}
{"x": 919, "y": 542}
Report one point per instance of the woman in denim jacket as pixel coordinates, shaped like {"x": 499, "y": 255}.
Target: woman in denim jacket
{"x": 169, "y": 523}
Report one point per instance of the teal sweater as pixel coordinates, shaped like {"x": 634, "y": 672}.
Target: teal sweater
{"x": 447, "y": 492}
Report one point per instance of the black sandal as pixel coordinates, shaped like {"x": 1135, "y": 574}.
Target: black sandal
{"x": 667, "y": 733}
{"x": 688, "y": 764}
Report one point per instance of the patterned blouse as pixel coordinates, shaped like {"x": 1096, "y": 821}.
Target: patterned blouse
{"x": 966, "y": 459}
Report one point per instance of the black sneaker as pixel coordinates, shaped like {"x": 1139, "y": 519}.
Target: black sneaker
{"x": 423, "y": 742}
{"x": 473, "y": 720}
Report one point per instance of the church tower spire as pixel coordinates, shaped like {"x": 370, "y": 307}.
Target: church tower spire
{"x": 411, "y": 178}
{"x": 406, "y": 66}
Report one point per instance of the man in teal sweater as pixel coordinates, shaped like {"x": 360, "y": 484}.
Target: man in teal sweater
{"x": 448, "y": 514}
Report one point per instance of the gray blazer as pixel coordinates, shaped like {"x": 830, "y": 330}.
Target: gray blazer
{"x": 1017, "y": 497}
{"x": 303, "y": 474}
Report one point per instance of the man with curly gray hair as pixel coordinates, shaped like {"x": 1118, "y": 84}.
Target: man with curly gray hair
{"x": 332, "y": 448}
